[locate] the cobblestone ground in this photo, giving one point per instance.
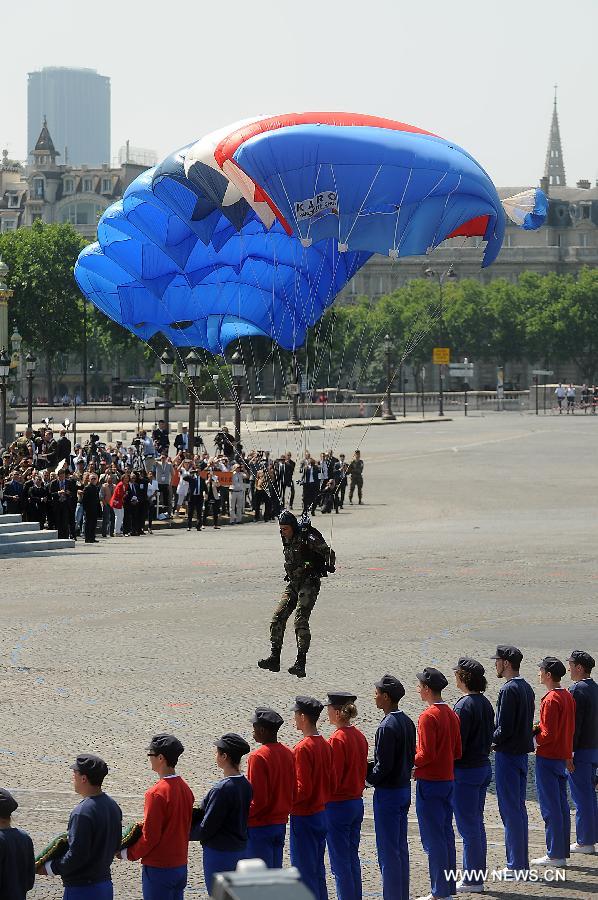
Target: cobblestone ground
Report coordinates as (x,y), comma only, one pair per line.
(476,531)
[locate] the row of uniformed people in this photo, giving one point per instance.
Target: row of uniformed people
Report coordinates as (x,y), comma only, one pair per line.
(319,785)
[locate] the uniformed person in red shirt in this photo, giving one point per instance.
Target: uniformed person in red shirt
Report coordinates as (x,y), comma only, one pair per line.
(271,773)
(344,810)
(438,746)
(314,784)
(554,751)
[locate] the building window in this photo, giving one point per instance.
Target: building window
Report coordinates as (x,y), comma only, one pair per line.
(38,188)
(9,224)
(585,210)
(87,185)
(81,213)
(106,185)
(68,185)
(13,201)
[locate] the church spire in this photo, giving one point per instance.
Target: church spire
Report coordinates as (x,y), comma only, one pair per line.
(554,170)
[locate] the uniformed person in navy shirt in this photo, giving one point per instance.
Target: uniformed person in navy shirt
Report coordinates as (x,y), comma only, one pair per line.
(582,775)
(94,834)
(473,772)
(390,774)
(513,741)
(17,859)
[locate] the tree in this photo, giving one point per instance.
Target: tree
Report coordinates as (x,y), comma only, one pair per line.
(46,305)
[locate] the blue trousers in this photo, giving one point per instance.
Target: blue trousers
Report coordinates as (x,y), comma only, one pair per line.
(390,820)
(469,799)
(102,890)
(551,785)
(582,783)
(434,808)
(510,775)
(267,842)
(307,843)
(215,861)
(343,832)
(163,884)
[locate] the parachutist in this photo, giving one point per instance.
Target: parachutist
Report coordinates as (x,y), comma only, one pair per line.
(307,559)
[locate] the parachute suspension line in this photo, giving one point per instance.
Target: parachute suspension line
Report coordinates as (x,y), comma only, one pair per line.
(338,386)
(394,240)
(364,201)
(446,201)
(431,191)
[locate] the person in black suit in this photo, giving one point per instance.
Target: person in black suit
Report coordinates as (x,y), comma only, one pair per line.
(37,501)
(133,507)
(91,507)
(63,447)
(311,486)
(47,456)
(182,441)
(194,499)
(63,496)
(161,438)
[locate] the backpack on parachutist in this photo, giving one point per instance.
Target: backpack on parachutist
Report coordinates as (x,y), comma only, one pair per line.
(323,557)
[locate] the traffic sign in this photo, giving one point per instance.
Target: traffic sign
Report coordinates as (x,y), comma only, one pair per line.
(460,372)
(542,372)
(441,356)
(467,367)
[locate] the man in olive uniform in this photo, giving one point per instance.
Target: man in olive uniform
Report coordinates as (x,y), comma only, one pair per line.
(306,557)
(356,476)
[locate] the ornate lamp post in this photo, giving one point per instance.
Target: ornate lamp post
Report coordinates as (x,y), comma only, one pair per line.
(440,277)
(4,373)
(166,370)
(293,390)
(388,413)
(193,365)
(30,365)
(238,373)
(215,377)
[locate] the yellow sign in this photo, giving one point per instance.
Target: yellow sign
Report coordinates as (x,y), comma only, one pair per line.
(441,356)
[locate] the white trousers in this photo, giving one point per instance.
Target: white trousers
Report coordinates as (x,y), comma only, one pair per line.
(237,499)
(119,515)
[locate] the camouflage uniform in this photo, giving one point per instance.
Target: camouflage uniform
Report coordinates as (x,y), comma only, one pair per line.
(301,566)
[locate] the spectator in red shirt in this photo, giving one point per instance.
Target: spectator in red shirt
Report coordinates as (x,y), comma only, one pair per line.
(344,810)
(438,746)
(271,773)
(313,787)
(164,844)
(554,753)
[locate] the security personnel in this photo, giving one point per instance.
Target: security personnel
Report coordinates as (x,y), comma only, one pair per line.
(271,774)
(438,746)
(554,752)
(225,810)
(17,859)
(305,556)
(390,775)
(313,788)
(582,775)
(94,835)
(344,810)
(355,471)
(163,847)
(473,772)
(194,499)
(513,741)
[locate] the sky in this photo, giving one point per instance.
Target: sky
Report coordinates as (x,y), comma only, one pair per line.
(479,74)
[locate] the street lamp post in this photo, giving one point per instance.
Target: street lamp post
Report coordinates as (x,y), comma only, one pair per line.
(294,392)
(4,373)
(215,378)
(16,341)
(193,365)
(30,365)
(238,373)
(388,415)
(440,277)
(166,370)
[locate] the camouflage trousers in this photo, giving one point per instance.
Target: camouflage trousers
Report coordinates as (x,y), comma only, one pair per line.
(298,597)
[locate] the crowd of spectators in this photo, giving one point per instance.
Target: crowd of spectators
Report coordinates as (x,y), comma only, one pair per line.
(116,490)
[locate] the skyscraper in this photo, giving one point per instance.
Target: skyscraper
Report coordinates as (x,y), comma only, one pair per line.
(76,104)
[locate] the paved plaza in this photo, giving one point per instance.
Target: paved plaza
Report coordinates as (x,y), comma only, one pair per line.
(475,531)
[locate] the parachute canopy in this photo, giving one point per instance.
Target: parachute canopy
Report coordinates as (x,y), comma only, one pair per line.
(254,229)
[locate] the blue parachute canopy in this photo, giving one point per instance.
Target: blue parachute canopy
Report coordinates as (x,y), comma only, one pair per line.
(255,229)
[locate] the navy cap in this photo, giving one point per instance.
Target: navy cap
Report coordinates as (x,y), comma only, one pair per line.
(308,705)
(233,743)
(509,654)
(469,665)
(166,744)
(581,658)
(339,698)
(390,685)
(91,765)
(268,717)
(552,665)
(8,804)
(432,678)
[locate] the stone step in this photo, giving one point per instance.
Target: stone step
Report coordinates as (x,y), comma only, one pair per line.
(28,546)
(10,517)
(17,537)
(17,526)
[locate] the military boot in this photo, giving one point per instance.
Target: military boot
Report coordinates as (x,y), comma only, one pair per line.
(298,668)
(272,662)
